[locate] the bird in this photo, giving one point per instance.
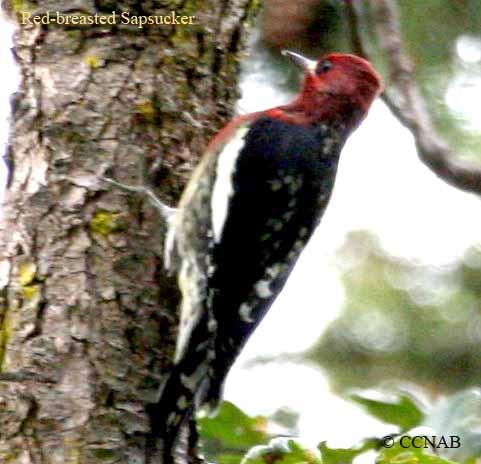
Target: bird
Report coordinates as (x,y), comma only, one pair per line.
(247,212)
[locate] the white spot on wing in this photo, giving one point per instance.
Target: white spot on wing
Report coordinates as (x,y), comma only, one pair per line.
(245,312)
(223,188)
(212,325)
(275,224)
(299,245)
(274,271)
(303,232)
(202,346)
(210,356)
(182,403)
(193,381)
(262,289)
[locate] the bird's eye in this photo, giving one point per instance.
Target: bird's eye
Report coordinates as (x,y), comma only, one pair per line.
(323,66)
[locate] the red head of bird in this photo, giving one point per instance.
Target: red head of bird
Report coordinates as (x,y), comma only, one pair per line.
(339,88)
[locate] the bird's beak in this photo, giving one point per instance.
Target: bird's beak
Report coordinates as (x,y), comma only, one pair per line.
(309,66)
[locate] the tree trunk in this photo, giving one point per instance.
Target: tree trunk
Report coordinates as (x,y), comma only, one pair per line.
(87,312)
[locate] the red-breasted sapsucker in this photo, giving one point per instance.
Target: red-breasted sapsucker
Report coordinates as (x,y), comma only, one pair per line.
(246,214)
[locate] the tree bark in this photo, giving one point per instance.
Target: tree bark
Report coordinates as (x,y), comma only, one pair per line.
(87,312)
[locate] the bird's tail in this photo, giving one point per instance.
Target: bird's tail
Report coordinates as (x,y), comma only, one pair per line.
(183,390)
(168,416)
(179,398)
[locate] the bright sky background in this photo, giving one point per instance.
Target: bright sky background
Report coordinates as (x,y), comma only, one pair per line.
(381,186)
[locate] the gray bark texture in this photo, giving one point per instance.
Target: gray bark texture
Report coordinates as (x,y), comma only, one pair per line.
(87,312)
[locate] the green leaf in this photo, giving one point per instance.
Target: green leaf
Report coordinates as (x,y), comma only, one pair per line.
(233,428)
(404,412)
(282,451)
(400,455)
(344,455)
(229,459)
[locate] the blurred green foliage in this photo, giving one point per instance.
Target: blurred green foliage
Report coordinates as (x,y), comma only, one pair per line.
(403,412)
(231,433)
(437,34)
(460,415)
(345,455)
(400,455)
(282,451)
(233,438)
(404,321)
(443,40)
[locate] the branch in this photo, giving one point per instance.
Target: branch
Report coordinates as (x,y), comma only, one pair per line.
(403,97)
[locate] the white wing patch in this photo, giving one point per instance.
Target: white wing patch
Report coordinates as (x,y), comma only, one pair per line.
(262,288)
(245,313)
(223,188)
(191,304)
(169,245)
(192,281)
